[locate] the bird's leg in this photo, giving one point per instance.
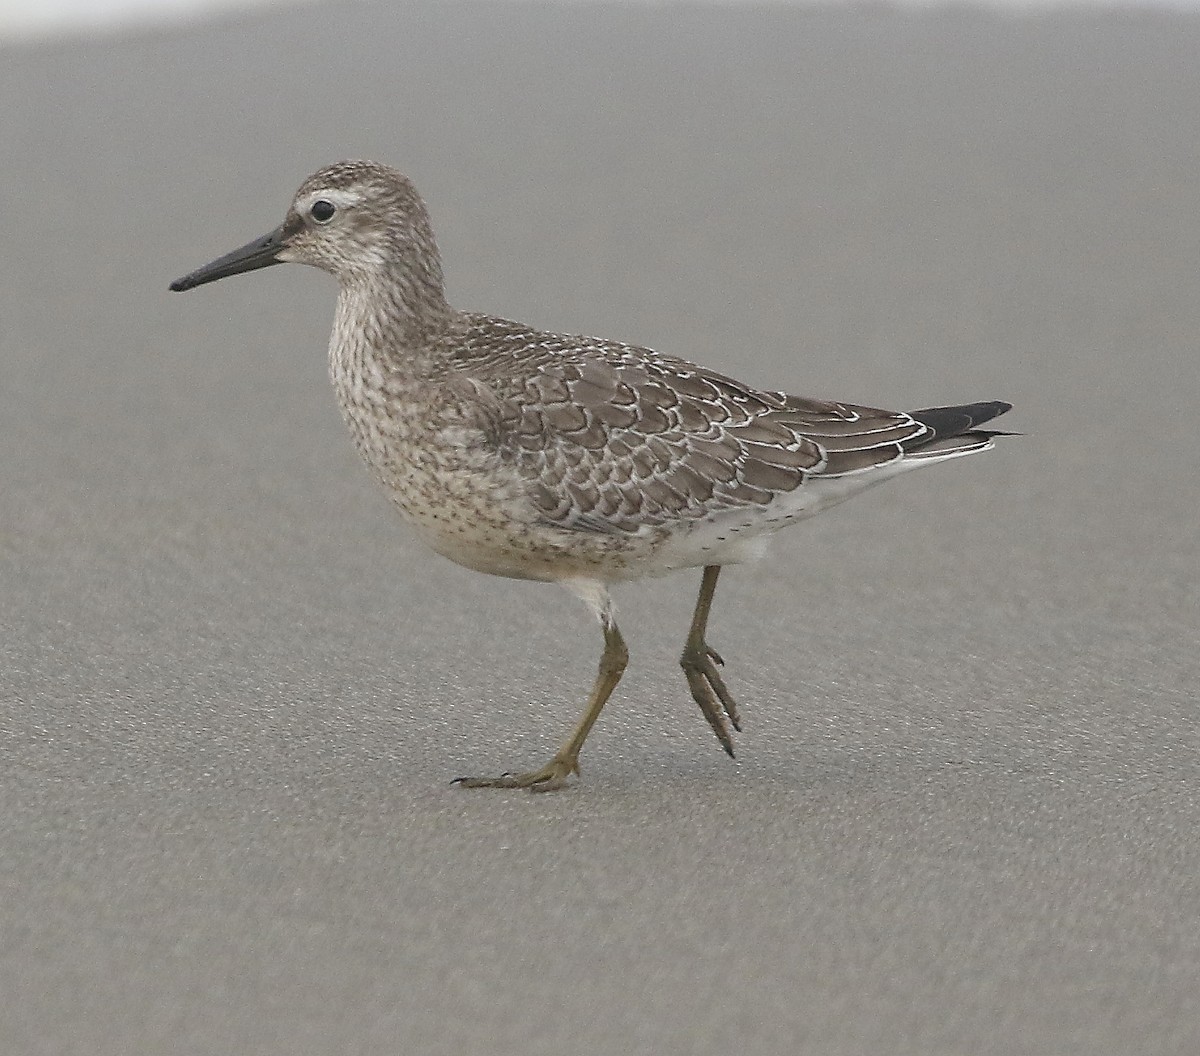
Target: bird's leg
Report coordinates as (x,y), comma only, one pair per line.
(566,760)
(699,662)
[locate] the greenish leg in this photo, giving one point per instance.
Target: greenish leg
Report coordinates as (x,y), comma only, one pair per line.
(699,662)
(566,760)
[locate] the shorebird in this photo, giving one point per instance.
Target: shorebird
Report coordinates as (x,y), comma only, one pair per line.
(568,459)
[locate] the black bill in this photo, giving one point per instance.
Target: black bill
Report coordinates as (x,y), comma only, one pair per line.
(261,253)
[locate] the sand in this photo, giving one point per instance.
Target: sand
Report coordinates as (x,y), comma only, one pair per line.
(233,689)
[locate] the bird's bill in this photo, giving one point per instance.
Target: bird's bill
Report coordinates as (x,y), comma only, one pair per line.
(261,253)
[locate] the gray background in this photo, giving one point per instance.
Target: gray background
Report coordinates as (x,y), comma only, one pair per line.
(233,691)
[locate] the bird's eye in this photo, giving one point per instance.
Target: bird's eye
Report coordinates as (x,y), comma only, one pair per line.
(322,211)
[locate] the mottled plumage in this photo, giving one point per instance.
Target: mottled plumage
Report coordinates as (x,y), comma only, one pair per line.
(562,458)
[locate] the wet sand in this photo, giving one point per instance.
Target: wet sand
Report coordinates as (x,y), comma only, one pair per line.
(233,690)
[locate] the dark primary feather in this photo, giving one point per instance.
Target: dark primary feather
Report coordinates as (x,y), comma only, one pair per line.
(945,422)
(953,429)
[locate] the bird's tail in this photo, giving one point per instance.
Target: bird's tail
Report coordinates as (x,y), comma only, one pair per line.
(952,430)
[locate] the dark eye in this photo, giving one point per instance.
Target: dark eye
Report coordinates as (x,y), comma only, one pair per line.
(322,211)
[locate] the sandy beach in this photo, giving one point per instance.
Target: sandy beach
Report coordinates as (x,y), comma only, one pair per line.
(234,689)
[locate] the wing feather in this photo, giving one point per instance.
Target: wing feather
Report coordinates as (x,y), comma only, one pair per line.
(616,438)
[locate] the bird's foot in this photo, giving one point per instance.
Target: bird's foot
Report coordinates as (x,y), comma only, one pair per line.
(548,778)
(699,663)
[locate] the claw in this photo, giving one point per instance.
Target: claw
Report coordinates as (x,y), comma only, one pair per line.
(548,778)
(709,691)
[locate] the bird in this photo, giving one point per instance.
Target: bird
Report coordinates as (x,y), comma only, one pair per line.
(568,459)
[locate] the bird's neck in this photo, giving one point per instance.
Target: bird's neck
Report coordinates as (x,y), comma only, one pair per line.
(385,351)
(388,325)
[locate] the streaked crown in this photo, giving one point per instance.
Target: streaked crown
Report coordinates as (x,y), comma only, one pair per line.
(359,220)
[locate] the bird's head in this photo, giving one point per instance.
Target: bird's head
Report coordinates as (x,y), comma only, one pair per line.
(355,220)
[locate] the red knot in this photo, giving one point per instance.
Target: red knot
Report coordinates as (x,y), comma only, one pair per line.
(568,459)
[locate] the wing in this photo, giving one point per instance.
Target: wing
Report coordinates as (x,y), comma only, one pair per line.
(616,438)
